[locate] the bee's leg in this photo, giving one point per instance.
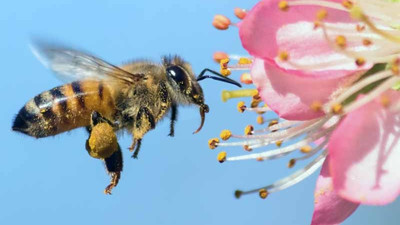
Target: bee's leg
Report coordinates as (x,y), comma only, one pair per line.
(143,123)
(114,165)
(174,114)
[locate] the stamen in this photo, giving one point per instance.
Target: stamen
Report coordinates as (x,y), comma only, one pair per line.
(337,108)
(221,157)
(238,94)
(244,61)
(248,130)
(291,163)
(260,120)
(347,4)
(360,61)
(263,193)
(221,22)
(322,14)
(245,78)
(218,56)
(385,101)
(283,5)
(213,143)
(283,56)
(316,106)
(240,13)
(225,134)
(340,41)
(306,149)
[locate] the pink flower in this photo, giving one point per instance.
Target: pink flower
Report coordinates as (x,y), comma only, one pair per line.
(328,68)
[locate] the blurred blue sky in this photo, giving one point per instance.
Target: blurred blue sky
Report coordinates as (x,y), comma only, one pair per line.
(176,180)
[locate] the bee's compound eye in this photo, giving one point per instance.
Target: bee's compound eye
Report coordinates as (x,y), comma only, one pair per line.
(176,73)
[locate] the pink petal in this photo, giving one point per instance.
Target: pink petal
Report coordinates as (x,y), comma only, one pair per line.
(266,31)
(365,153)
(291,96)
(329,207)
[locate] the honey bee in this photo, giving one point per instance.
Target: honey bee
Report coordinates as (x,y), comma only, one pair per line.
(105,99)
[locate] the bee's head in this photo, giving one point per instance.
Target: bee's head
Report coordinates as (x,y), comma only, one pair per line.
(181,78)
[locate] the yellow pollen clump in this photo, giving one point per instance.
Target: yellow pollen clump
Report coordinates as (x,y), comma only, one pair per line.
(360,61)
(347,4)
(340,41)
(337,108)
(213,143)
(245,61)
(221,157)
(241,106)
(224,63)
(245,78)
(316,106)
(247,148)
(218,56)
(248,130)
(367,42)
(291,163)
(279,143)
(225,134)
(283,5)
(260,119)
(306,149)
(102,142)
(322,14)
(238,193)
(221,22)
(240,13)
(225,72)
(283,55)
(263,193)
(385,101)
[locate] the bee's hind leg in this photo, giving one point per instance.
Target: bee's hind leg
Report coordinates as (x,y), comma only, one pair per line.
(102,144)
(143,123)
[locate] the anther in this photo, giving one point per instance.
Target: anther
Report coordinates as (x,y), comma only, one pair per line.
(337,108)
(221,22)
(279,143)
(225,72)
(283,55)
(360,61)
(321,14)
(238,193)
(260,119)
(306,149)
(283,5)
(263,193)
(218,56)
(260,159)
(225,134)
(248,130)
(244,61)
(255,101)
(340,41)
(245,78)
(241,107)
(316,106)
(224,63)
(360,28)
(291,163)
(240,13)
(395,69)
(247,148)
(385,101)
(366,42)
(272,123)
(221,157)
(347,4)
(213,143)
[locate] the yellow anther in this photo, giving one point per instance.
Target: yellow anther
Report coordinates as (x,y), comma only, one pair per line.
(322,14)
(385,101)
(245,78)
(225,134)
(283,55)
(260,119)
(367,42)
(221,22)
(260,159)
(360,28)
(263,193)
(213,143)
(395,69)
(283,5)
(241,106)
(360,61)
(247,148)
(316,106)
(291,163)
(218,56)
(317,24)
(221,157)
(248,130)
(244,61)
(225,72)
(238,193)
(238,94)
(306,149)
(340,41)
(279,143)
(337,108)
(272,123)
(240,13)
(347,4)
(224,63)
(255,100)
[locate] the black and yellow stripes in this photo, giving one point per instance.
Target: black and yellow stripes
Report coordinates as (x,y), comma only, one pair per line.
(64,108)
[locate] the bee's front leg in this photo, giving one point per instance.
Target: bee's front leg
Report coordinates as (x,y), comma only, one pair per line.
(143,123)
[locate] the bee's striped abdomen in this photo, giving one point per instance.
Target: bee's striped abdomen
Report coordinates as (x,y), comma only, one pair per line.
(64,108)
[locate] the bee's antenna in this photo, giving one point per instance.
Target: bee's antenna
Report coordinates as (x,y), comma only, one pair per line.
(220,77)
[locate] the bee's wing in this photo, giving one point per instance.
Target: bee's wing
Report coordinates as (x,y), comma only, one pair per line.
(72,65)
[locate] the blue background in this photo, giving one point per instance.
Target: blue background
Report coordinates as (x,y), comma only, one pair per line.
(176,180)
